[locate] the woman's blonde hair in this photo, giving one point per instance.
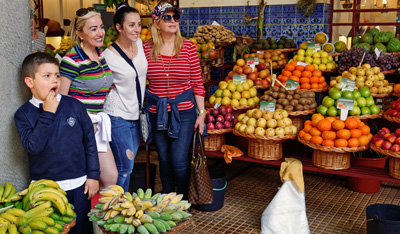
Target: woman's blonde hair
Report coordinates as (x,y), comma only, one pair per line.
(79,23)
(158,41)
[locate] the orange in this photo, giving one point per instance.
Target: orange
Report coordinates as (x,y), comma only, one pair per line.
(324,84)
(286,73)
(341,143)
(315,132)
(320,86)
(353,142)
(307,137)
(396,88)
(289,67)
(296,78)
(306,73)
(328,143)
(351,123)
(305,86)
(310,68)
(314,86)
(355,133)
(294,63)
(304,80)
(307,128)
(296,73)
(364,140)
(308,122)
(343,134)
(338,124)
(329,135)
(317,73)
(321,79)
(300,68)
(302,133)
(330,118)
(314,80)
(324,125)
(365,129)
(315,118)
(240,62)
(316,140)
(284,79)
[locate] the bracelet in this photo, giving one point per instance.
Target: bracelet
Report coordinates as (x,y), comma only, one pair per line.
(203,112)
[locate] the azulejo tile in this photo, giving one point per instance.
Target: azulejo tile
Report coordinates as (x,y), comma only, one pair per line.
(302,20)
(253,9)
(302,30)
(204,10)
(184,29)
(316,20)
(238,9)
(182,22)
(288,31)
(183,11)
(226,9)
(237,30)
(289,8)
(193,16)
(317,14)
(226,22)
(215,10)
(288,15)
(326,29)
(275,21)
(193,22)
(275,15)
(327,19)
(237,21)
(319,7)
(275,8)
(194,10)
(191,30)
(204,22)
(288,21)
(204,16)
(215,17)
(266,19)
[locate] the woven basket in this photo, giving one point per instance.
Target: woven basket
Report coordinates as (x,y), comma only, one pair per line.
(179,226)
(394,160)
(215,139)
(219,59)
(262,86)
(205,65)
(297,121)
(365,117)
(68,226)
(262,147)
(300,113)
(391,119)
(381,95)
(389,71)
(329,71)
(207,104)
(314,90)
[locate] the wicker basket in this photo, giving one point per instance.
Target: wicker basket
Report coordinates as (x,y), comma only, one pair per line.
(68,226)
(391,119)
(365,117)
(297,117)
(215,139)
(220,58)
(264,148)
(389,71)
(376,95)
(331,158)
(394,161)
(205,65)
(314,90)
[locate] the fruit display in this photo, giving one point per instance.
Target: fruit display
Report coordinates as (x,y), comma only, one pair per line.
(42,208)
(142,212)
(290,100)
(368,76)
(206,50)
(220,118)
(364,103)
(320,38)
(396,90)
(274,57)
(272,44)
(65,45)
(352,58)
(109,38)
(329,131)
(320,59)
(387,140)
(235,95)
(329,48)
(266,123)
(145,34)
(383,41)
(308,76)
(394,110)
(340,46)
(216,34)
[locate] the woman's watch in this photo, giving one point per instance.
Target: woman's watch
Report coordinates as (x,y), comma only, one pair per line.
(203,112)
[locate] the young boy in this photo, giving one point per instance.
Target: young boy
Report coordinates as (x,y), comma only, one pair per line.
(59,137)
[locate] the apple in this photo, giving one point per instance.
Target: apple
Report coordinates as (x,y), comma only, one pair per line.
(370,101)
(252,122)
(257,114)
(393,113)
(328,102)
(244,119)
(237,126)
(356,111)
(375,109)
(270,132)
(219,118)
(381,133)
(222,110)
(210,119)
(395,148)
(279,131)
(386,130)
(347,94)
(229,109)
(386,145)
(249,129)
(374,139)
(365,92)
(261,66)
(336,94)
(219,125)
(397,141)
(210,126)
(281,123)
(271,123)
(278,115)
(261,122)
(289,130)
(386,136)
(242,128)
(228,117)
(397,132)
(379,142)
(227,124)
(260,131)
(235,121)
(332,111)
(392,138)
(215,112)
(356,94)
(365,111)
(322,110)
(268,115)
(288,121)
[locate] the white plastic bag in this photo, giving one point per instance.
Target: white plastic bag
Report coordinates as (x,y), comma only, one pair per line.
(286,214)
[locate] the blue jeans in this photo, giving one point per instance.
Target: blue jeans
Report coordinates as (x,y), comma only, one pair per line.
(82,208)
(125,135)
(173,152)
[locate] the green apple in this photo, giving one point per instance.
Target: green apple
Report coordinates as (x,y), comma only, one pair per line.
(336,94)
(322,110)
(331,90)
(309,52)
(328,102)
(239,88)
(356,94)
(218,93)
(361,102)
(356,111)
(332,111)
(347,94)
(365,111)
(301,52)
(370,101)
(365,92)
(375,109)
(308,60)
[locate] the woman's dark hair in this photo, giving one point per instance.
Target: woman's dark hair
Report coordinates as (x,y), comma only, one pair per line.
(122,9)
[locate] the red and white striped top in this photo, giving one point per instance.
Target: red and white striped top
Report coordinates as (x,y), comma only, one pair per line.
(184,74)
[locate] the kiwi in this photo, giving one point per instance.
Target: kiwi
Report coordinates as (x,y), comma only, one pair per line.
(299,107)
(271,99)
(296,96)
(289,92)
(275,89)
(268,92)
(313,105)
(281,95)
(282,90)
(274,94)
(297,91)
(306,107)
(303,101)
(285,102)
(264,98)
(311,94)
(278,106)
(309,101)
(294,102)
(303,95)
(289,97)
(289,108)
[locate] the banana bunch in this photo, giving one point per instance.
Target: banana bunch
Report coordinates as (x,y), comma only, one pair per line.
(65,44)
(123,212)
(8,193)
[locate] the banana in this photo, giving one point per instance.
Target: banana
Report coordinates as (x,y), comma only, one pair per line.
(50,190)
(15,211)
(52,230)
(106,205)
(131,229)
(155,209)
(23,192)
(129,219)
(99,205)
(101,222)
(160,198)
(110,193)
(108,214)
(1,191)
(136,222)
(66,219)
(38,225)
(123,228)
(127,205)
(164,203)
(56,217)
(165,216)
(57,201)
(146,219)
(46,182)
(155,196)
(137,203)
(94,218)
(184,214)
(159,225)
(166,225)
(176,199)
(131,211)
(3,229)
(7,190)
(21,221)
(26,200)
(146,205)
(171,223)
(124,212)
(10,194)
(153,215)
(114,213)
(139,214)
(100,214)
(140,193)
(115,188)
(105,199)
(11,218)
(14,198)
(151,228)
(114,201)
(119,219)
(128,196)
(176,217)
(142,230)
(12,229)
(70,212)
(25,230)
(148,193)
(118,207)
(170,195)
(184,205)
(47,220)
(115,227)
(59,227)
(36,211)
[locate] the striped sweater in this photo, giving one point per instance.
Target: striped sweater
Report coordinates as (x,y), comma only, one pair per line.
(90,80)
(184,73)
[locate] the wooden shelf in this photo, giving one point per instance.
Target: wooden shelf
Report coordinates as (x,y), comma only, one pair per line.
(353,171)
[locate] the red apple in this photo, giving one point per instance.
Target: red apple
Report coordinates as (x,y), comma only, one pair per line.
(397,141)
(228,117)
(393,104)
(381,133)
(210,119)
(220,118)
(258,82)
(222,110)
(215,112)
(261,66)
(386,130)
(227,124)
(374,139)
(393,113)
(220,125)
(227,78)
(234,122)
(265,82)
(208,110)
(397,132)
(391,138)
(386,145)
(386,136)
(229,109)
(252,76)
(210,126)
(379,142)
(395,148)
(397,106)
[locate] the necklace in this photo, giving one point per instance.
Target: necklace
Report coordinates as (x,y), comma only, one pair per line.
(167,72)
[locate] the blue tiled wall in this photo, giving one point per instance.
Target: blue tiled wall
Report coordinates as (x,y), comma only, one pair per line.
(278,20)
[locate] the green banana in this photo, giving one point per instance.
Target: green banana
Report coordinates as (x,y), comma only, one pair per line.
(153,214)
(66,219)
(184,214)
(1,191)
(101,222)
(151,228)
(115,227)
(70,212)
(94,218)
(38,225)
(128,196)
(140,193)
(165,216)
(37,232)
(131,229)
(21,221)
(25,230)
(55,216)
(159,225)
(123,228)
(155,196)
(108,226)
(166,225)
(99,205)
(11,194)
(176,217)
(47,220)
(171,223)
(7,190)
(142,229)
(37,210)
(18,205)
(11,218)
(52,230)
(145,219)
(119,219)
(15,211)
(148,193)
(57,201)
(59,227)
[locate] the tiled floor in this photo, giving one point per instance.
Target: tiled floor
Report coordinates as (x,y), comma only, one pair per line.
(331,207)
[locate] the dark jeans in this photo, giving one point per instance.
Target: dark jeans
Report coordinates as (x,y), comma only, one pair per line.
(82,208)
(173,152)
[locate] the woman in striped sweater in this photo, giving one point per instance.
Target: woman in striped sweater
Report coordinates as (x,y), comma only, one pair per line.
(86,76)
(175,89)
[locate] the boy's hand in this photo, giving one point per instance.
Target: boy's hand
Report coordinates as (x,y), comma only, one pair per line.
(50,104)
(91,186)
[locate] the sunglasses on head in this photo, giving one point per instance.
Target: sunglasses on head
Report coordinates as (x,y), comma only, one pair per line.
(168,18)
(84,11)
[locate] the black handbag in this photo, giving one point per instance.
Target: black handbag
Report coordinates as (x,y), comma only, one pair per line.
(200,187)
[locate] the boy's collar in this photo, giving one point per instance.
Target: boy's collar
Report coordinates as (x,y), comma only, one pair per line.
(36,102)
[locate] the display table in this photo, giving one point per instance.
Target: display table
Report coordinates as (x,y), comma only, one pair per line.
(354,171)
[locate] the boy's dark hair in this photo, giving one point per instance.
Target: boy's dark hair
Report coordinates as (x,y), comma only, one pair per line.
(33,61)
(122,9)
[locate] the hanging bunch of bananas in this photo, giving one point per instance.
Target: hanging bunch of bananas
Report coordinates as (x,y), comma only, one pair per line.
(65,45)
(44,208)
(123,212)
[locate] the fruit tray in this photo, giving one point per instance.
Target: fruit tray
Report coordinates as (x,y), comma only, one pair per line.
(297,113)
(314,90)
(390,71)
(391,119)
(254,136)
(68,226)
(381,95)
(219,131)
(335,54)
(282,50)
(179,226)
(374,116)
(332,148)
(385,152)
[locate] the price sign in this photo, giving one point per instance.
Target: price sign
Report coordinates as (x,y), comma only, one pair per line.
(260,52)
(378,53)
(291,84)
(345,104)
(347,84)
(238,79)
(314,46)
(252,62)
(267,106)
(302,64)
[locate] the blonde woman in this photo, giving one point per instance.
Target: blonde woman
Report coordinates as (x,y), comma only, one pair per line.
(175,90)
(86,76)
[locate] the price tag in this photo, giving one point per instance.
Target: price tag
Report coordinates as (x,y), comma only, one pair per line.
(215,23)
(302,64)
(260,52)
(238,79)
(217,105)
(267,106)
(345,104)
(314,46)
(252,62)
(378,53)
(347,84)
(291,84)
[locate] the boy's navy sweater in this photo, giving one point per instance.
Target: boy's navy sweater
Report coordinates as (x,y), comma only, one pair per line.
(60,146)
